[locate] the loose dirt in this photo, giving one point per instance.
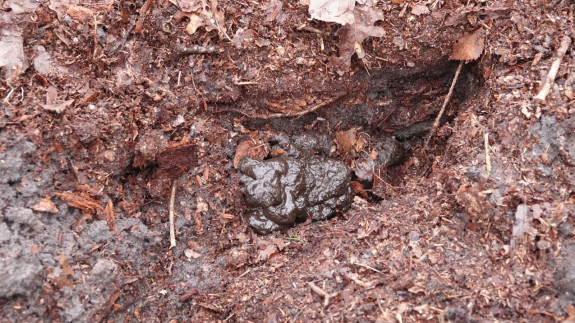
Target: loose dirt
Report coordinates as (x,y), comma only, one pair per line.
(106,104)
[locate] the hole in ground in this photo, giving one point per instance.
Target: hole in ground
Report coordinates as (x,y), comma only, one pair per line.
(373,129)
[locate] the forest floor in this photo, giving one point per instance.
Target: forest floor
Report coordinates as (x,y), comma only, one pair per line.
(107,104)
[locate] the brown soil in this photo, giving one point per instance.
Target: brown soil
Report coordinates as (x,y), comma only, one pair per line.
(111,102)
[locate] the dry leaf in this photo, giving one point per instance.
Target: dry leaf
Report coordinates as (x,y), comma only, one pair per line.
(340,11)
(195,23)
(458,16)
(250,149)
(12,56)
(199,16)
(81,201)
(351,36)
(58,107)
(346,141)
(187,5)
(79,13)
(45,205)
(469,47)
(570,310)
(522,223)
(265,254)
(66,269)
(420,9)
(472,200)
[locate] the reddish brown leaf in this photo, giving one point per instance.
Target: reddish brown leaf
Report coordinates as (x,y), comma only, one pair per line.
(45,205)
(251,149)
(469,47)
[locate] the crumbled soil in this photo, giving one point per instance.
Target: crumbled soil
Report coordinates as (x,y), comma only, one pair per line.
(112,104)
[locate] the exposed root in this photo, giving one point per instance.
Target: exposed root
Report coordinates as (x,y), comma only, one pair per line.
(438,118)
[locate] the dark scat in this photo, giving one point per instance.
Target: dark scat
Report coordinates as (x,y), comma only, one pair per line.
(281,190)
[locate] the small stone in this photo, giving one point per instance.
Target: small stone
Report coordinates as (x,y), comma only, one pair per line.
(566,229)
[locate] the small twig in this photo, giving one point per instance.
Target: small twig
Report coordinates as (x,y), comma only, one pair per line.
(321,293)
(366,266)
(310,29)
(438,118)
(550,78)
(487,156)
(283,115)
(171,215)
(196,49)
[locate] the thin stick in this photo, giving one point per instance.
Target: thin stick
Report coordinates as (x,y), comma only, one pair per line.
(171,214)
(320,292)
(284,115)
(550,78)
(438,118)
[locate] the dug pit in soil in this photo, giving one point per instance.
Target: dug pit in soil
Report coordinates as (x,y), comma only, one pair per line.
(370,130)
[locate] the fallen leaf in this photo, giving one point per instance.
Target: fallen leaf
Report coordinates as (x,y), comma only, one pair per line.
(458,16)
(45,205)
(66,269)
(58,107)
(522,223)
(251,149)
(199,15)
(12,56)
(195,22)
(265,254)
(472,200)
(80,14)
(420,9)
(339,11)
(469,47)
(346,141)
(81,201)
(187,5)
(191,254)
(351,36)
(570,310)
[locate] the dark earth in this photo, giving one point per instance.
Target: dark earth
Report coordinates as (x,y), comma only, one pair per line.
(107,105)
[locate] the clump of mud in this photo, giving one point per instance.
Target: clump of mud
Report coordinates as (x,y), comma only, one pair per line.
(281,190)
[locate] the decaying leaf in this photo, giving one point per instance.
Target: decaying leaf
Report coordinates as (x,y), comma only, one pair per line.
(472,200)
(80,14)
(199,15)
(340,11)
(469,47)
(251,149)
(12,56)
(45,205)
(346,141)
(266,253)
(81,201)
(52,103)
(196,22)
(187,5)
(420,9)
(351,36)
(522,223)
(458,16)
